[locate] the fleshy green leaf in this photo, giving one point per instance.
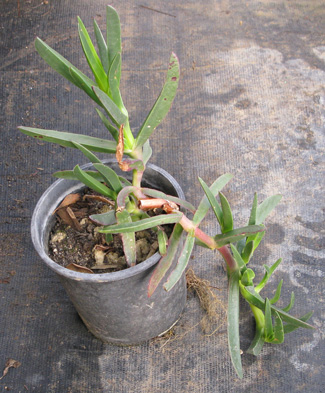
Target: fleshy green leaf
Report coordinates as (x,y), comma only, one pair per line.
(91,157)
(265,208)
(236,234)
(141,225)
(166,261)
(288,328)
(252,218)
(255,299)
(176,274)
(278,329)
(213,202)
(113,131)
(66,139)
(233,322)
(204,204)
(62,66)
(102,47)
(92,183)
(241,264)
(162,104)
(113,30)
(162,242)
(267,275)
(248,251)
(247,277)
(147,152)
(71,176)
(227,224)
(114,83)
(128,239)
(110,177)
(79,80)
(277,293)
(92,57)
(111,108)
(160,194)
(257,343)
(107,218)
(268,328)
(290,305)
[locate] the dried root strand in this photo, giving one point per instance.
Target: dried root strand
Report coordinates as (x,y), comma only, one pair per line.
(213,307)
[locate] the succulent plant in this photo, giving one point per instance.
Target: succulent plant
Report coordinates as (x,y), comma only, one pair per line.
(132,201)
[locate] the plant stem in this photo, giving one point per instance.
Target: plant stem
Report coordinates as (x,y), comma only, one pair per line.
(229,259)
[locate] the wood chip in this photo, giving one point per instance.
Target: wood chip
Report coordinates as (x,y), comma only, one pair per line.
(99,198)
(80,269)
(68,200)
(10,363)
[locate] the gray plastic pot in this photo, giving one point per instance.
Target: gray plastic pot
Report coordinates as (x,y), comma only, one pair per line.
(113,306)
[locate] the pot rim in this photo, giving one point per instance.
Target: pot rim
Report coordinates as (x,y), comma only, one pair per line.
(38,243)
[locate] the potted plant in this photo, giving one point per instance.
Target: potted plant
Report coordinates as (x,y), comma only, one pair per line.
(129,306)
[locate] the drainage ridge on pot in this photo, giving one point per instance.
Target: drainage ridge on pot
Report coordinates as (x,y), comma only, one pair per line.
(114,306)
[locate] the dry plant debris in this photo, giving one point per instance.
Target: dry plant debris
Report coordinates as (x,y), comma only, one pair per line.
(215,312)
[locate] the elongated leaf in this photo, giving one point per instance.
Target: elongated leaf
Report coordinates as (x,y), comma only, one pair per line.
(147,152)
(66,139)
(228,223)
(71,176)
(92,183)
(241,264)
(160,194)
(113,30)
(102,47)
(236,234)
(113,131)
(254,298)
(128,239)
(166,261)
(268,328)
(291,304)
(288,328)
(92,57)
(252,218)
(91,157)
(82,83)
(110,177)
(176,274)
(248,251)
(257,343)
(114,83)
(143,224)
(278,329)
(256,239)
(204,205)
(267,275)
(111,108)
(61,65)
(162,242)
(265,208)
(277,294)
(213,202)
(162,104)
(107,218)
(233,322)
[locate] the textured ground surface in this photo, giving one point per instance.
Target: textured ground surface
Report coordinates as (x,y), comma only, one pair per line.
(251,102)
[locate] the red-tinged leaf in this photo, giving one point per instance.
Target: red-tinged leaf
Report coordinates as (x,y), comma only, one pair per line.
(166,261)
(176,274)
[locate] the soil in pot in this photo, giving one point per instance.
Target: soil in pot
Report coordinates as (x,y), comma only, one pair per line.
(76,244)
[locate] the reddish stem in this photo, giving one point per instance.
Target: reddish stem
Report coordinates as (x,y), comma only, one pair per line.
(229,259)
